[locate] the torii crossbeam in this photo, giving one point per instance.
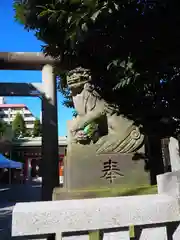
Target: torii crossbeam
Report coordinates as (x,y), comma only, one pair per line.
(21,89)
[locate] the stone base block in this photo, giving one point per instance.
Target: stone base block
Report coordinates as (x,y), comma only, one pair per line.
(64,194)
(84,169)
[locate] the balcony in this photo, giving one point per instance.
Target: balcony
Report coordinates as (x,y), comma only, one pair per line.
(27,119)
(29,126)
(4,112)
(6,119)
(27,112)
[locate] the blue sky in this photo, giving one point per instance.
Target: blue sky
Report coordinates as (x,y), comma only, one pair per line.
(15,39)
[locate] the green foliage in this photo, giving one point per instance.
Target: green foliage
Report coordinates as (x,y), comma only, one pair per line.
(3,127)
(37,128)
(19,12)
(129,46)
(18,126)
(28,133)
(63,88)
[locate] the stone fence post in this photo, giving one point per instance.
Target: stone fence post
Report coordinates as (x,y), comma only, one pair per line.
(169,183)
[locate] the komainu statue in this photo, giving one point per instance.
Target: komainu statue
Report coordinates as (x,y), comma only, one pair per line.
(97,122)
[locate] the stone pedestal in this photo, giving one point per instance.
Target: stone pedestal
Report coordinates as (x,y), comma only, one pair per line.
(85,172)
(84,169)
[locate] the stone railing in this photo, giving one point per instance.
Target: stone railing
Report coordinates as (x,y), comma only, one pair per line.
(153,216)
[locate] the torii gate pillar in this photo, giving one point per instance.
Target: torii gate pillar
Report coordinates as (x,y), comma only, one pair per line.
(49,133)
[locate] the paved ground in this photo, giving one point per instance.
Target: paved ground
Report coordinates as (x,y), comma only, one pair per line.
(8,197)
(5,221)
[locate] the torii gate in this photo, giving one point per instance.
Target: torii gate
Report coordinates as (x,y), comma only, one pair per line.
(48,92)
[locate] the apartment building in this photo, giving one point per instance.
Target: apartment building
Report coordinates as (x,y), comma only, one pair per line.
(9,111)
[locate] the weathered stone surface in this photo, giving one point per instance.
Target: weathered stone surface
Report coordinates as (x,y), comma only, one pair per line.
(82,237)
(151,215)
(123,235)
(41,218)
(169,183)
(176,234)
(66,194)
(98,121)
(84,169)
(154,233)
(24,60)
(174,154)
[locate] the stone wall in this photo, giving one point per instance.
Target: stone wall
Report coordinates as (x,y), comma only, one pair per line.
(153,217)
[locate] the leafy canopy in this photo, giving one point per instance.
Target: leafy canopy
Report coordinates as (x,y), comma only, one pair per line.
(18,126)
(3,127)
(37,128)
(132,48)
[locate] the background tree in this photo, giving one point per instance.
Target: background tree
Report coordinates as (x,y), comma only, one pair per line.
(37,128)
(3,127)
(28,133)
(131,47)
(18,126)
